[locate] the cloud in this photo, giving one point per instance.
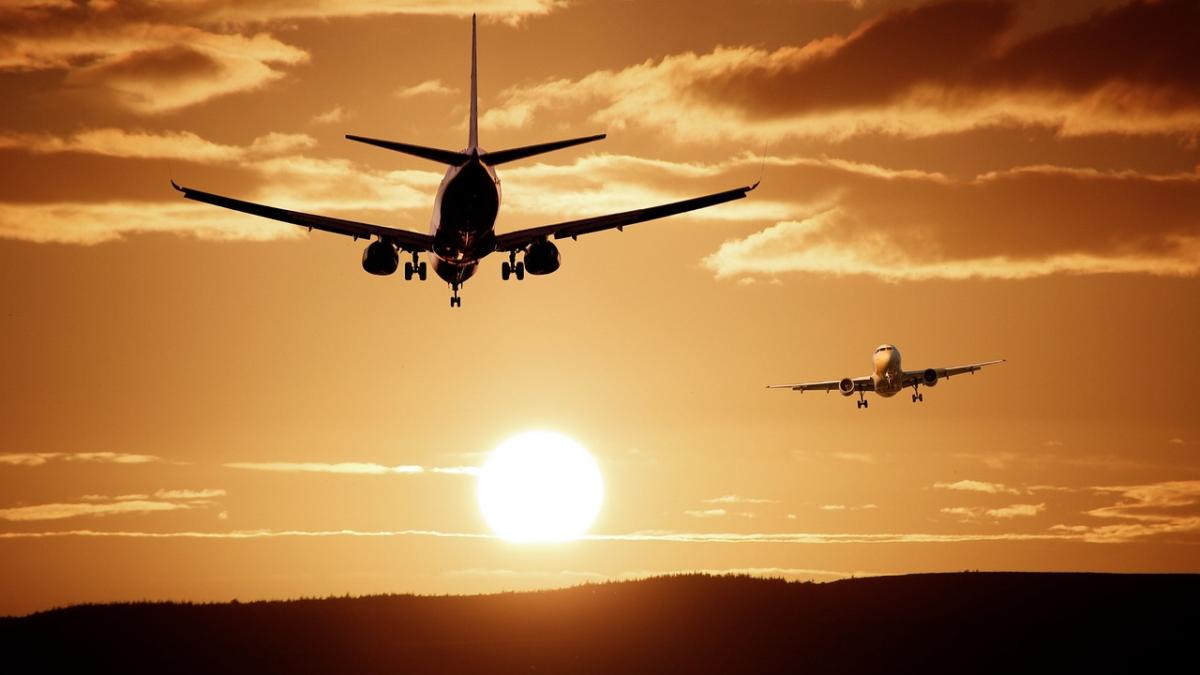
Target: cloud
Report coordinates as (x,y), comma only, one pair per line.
(321,467)
(189,495)
(101,505)
(1020,223)
(978,486)
(1167,509)
(861,457)
(736,499)
(95,223)
(424,88)
(1176,441)
(42,458)
(62,511)
(939,68)
(332,116)
(182,145)
(159,57)
(970,513)
(368,468)
(847,507)
(706,513)
(1017,511)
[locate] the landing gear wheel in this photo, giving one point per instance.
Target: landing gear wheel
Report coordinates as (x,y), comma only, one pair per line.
(455,301)
(520,271)
(505,270)
(408,271)
(422,271)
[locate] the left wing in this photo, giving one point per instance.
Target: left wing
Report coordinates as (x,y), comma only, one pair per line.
(860,384)
(512,241)
(911,376)
(405,239)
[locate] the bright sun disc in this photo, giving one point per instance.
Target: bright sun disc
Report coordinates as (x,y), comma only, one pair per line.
(540,486)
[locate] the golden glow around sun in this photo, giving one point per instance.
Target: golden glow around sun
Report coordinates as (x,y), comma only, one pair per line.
(540,486)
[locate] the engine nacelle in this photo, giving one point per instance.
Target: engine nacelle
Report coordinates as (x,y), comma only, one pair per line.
(380,258)
(542,257)
(929,377)
(846,386)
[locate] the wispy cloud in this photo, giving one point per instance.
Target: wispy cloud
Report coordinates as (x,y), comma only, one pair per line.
(973,513)
(190,495)
(42,458)
(428,87)
(350,468)
(99,505)
(182,145)
(73,510)
(978,486)
(159,57)
(737,499)
(331,116)
(706,513)
(847,507)
(861,457)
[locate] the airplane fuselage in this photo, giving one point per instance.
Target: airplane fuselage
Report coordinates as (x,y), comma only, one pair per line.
(464,219)
(886,372)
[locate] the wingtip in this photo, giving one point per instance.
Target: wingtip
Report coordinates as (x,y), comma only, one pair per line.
(176,185)
(754,186)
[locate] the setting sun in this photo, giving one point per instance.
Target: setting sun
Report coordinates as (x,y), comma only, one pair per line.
(540,486)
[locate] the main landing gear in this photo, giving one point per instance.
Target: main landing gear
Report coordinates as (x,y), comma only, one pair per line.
(415,267)
(862,401)
(455,301)
(512,267)
(917,395)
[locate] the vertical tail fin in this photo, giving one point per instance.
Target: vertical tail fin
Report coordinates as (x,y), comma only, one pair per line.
(473,139)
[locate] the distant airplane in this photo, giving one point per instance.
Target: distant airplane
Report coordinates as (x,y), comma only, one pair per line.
(888,379)
(464,213)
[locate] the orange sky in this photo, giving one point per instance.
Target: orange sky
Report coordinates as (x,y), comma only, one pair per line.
(968,180)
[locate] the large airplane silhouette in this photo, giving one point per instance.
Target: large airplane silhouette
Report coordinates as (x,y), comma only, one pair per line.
(461,232)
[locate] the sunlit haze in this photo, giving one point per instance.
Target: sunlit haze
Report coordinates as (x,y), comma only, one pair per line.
(202,405)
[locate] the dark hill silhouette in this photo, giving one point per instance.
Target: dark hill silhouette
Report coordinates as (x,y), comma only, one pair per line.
(933,623)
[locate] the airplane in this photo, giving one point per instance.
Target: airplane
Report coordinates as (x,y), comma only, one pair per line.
(887,378)
(461,231)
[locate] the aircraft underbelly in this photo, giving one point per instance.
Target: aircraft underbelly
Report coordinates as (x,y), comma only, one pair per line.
(467,217)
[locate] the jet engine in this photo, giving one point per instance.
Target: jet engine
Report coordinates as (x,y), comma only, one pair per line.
(846,386)
(542,257)
(380,258)
(929,377)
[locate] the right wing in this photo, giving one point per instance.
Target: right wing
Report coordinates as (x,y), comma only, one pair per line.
(511,241)
(404,239)
(860,384)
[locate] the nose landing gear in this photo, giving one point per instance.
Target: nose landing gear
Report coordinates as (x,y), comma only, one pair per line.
(455,301)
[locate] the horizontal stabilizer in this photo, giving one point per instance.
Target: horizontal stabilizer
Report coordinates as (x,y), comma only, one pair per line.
(450,157)
(502,156)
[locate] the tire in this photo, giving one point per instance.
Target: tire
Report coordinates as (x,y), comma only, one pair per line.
(520,271)
(408,271)
(505,270)
(421,270)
